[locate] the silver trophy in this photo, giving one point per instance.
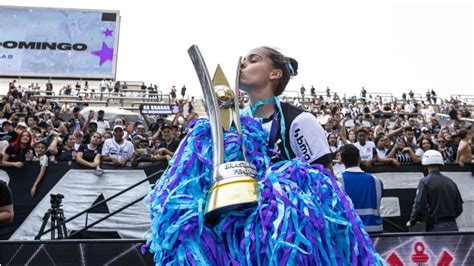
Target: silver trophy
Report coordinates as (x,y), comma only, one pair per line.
(235,186)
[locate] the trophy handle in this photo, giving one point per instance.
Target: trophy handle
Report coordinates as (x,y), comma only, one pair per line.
(213,110)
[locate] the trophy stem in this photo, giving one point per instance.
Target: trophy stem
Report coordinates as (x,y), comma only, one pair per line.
(212,110)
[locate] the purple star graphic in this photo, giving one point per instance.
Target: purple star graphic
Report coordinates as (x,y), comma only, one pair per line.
(105,53)
(108,32)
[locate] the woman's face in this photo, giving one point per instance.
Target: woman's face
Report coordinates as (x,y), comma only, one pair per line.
(401,143)
(425,145)
(25,138)
(70,141)
(441,143)
(256,69)
(352,136)
(381,143)
(332,140)
(95,139)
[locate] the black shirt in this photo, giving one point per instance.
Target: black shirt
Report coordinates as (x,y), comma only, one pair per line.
(172,147)
(438,197)
(453,114)
(65,155)
(88,154)
(16,156)
(5,194)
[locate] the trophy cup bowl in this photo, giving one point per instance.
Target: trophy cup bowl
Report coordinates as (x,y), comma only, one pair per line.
(235,187)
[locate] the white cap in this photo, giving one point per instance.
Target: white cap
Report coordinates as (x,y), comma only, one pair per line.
(432,157)
(118,126)
(22,124)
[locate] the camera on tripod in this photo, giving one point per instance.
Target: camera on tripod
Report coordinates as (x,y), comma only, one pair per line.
(56,200)
(58,222)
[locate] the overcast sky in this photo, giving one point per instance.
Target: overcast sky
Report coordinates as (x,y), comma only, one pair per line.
(386,46)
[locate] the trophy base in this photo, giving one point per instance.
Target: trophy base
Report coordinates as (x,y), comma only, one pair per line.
(231,194)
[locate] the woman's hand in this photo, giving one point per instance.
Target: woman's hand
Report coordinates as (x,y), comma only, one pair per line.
(18,164)
(33,190)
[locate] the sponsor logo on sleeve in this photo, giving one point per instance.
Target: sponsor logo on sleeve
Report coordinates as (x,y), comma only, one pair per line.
(303,145)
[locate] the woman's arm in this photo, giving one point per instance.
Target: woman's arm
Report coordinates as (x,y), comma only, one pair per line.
(80,160)
(53,147)
(414,158)
(6,163)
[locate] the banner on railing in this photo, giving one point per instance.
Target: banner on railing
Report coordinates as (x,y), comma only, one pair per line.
(155,109)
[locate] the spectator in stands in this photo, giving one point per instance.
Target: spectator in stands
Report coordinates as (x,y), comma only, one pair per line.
(19,151)
(382,143)
(32,121)
(168,146)
(453,114)
(332,141)
(89,155)
(8,133)
(102,124)
(117,88)
(107,135)
(410,137)
(183,91)
(6,204)
(66,151)
(173,93)
(438,200)
(367,150)
(464,153)
(76,123)
(313,91)
(124,88)
(447,152)
(118,150)
(41,148)
(425,145)
(78,88)
(364,189)
(403,154)
(302,91)
(143,88)
(434,124)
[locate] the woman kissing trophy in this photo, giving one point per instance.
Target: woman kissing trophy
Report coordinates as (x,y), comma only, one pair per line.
(224,199)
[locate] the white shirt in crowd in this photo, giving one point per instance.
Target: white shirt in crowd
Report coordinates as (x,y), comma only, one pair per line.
(102,126)
(120,152)
(367,151)
(382,154)
(103,84)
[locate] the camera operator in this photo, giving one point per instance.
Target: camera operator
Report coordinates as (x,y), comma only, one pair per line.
(6,203)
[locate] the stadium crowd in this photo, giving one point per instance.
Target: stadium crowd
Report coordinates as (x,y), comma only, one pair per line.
(395,132)
(387,130)
(36,128)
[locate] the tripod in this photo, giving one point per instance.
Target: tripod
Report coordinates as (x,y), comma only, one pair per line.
(57,223)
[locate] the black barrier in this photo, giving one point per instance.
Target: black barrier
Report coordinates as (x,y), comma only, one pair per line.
(22,179)
(426,249)
(73,252)
(397,249)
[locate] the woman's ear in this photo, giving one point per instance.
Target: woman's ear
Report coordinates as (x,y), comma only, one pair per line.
(276,74)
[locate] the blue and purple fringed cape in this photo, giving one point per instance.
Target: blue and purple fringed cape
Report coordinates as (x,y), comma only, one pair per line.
(302,218)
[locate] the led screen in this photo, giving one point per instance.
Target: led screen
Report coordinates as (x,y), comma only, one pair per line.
(58,42)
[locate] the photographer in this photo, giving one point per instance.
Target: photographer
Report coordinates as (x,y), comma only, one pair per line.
(6,204)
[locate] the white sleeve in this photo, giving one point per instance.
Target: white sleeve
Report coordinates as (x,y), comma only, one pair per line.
(106,148)
(131,150)
(308,138)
